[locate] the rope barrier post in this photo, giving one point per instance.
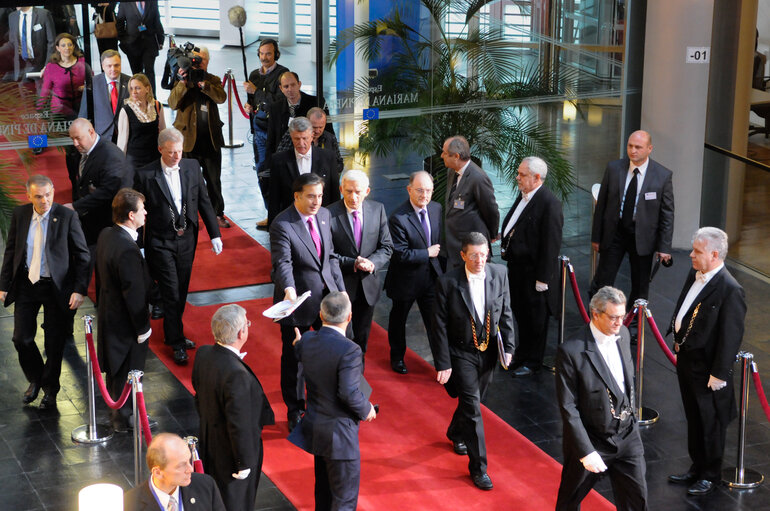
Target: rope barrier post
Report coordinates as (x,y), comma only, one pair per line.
(230,86)
(135,377)
(739,477)
(192,444)
(550,362)
(645,416)
(91,433)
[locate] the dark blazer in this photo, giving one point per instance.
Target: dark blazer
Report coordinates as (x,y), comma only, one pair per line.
(654,215)
(201,495)
(124,292)
(104,120)
(160,222)
(104,173)
(411,271)
(278,118)
(42,39)
(296,263)
(454,307)
(335,404)
(376,246)
(284,171)
(582,380)
(133,41)
(66,254)
(479,214)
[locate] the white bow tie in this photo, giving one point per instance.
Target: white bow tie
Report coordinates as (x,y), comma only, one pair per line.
(480,277)
(305,156)
(169,170)
(700,277)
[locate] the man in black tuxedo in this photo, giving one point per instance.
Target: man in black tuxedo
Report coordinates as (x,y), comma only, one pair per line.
(46,263)
(123,319)
(172,478)
(415,228)
(642,226)
(109,90)
(708,331)
(329,430)
(530,245)
(303,258)
(470,199)
(34,26)
(362,242)
(288,165)
(140,36)
(595,390)
(175,194)
(472,308)
(233,409)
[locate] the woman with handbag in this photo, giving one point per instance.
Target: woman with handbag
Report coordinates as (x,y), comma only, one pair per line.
(139,122)
(105,30)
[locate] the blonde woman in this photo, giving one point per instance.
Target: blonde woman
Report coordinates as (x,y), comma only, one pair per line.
(141,119)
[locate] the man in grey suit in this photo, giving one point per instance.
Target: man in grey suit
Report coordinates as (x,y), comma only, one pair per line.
(109,90)
(336,404)
(33,26)
(641,226)
(362,242)
(470,200)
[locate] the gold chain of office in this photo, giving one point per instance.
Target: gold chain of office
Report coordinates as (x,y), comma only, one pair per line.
(485,343)
(689,327)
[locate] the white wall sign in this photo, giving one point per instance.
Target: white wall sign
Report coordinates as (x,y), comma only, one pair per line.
(698,54)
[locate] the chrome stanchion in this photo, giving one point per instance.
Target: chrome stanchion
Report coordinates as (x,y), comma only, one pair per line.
(740,477)
(91,433)
(230,92)
(192,444)
(135,377)
(549,362)
(645,416)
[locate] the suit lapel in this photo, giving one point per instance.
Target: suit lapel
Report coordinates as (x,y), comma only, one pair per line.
(302,233)
(324,231)
(24,221)
(344,222)
(53,230)
(622,174)
(434,218)
(628,369)
(600,366)
(163,185)
(488,284)
(415,221)
(465,292)
(369,230)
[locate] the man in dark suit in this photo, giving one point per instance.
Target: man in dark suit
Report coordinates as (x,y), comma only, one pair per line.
(595,390)
(33,26)
(300,159)
(641,226)
(233,409)
(45,264)
(530,245)
(321,138)
(708,331)
(303,258)
(109,90)
(362,242)
(472,308)
(175,195)
(329,430)
(172,479)
(415,228)
(470,199)
(140,36)
(123,319)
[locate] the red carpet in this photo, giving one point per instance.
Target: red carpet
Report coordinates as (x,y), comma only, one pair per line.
(407,463)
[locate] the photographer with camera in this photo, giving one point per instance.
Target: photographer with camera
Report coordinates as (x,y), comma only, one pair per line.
(195,98)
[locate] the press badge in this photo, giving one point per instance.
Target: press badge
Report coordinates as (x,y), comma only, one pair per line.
(650,196)
(204,108)
(142,28)
(459,204)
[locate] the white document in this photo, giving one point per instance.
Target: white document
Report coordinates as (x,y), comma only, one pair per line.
(284,309)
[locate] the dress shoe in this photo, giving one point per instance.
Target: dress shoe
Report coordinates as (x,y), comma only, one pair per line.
(31,393)
(522,372)
(399,366)
(262,225)
(157,312)
(48,402)
(460,448)
(188,344)
(482,481)
(180,356)
(702,487)
(223,222)
(686,478)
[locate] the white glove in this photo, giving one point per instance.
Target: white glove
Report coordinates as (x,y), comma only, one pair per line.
(141,338)
(243,474)
(593,463)
(142,251)
(540,286)
(216,245)
(715,383)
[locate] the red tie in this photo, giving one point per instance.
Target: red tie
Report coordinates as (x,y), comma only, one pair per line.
(114,97)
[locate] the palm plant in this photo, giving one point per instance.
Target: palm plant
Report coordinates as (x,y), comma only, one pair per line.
(475,84)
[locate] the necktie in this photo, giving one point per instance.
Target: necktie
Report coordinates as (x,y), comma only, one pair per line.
(629,201)
(357,229)
(171,504)
(82,164)
(37,252)
(425,228)
(24,53)
(315,236)
(114,96)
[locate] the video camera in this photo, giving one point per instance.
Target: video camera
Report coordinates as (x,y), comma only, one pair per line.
(184,58)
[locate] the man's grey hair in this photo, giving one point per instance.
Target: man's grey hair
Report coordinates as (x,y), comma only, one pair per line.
(335,308)
(536,166)
(300,124)
(419,173)
(170,135)
(605,295)
(203,50)
(459,145)
(38,180)
(716,240)
(357,176)
(226,322)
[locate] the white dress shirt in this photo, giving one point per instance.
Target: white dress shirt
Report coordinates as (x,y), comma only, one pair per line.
(476,284)
(525,198)
(701,279)
(608,347)
(639,181)
(174,184)
(304,161)
(164,497)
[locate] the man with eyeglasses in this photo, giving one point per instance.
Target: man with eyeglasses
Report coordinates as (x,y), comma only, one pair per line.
(595,391)
(473,308)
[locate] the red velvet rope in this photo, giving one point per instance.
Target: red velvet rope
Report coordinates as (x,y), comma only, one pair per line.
(143,417)
(629,318)
(235,93)
(100,381)
(760,391)
(661,342)
(576,292)
(198,466)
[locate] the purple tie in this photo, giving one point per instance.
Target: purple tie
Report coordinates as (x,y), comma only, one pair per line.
(357,229)
(425,228)
(314,235)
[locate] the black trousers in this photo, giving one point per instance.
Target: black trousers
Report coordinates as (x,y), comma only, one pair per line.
(336,484)
(144,62)
(530,308)
(116,379)
(361,324)
(239,493)
(170,263)
(211,164)
(471,374)
(610,259)
(292,380)
(397,321)
(57,327)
